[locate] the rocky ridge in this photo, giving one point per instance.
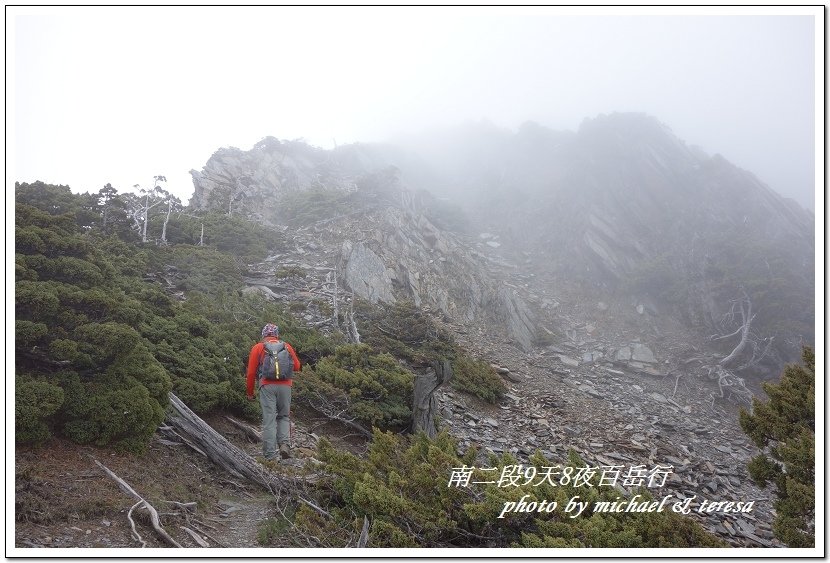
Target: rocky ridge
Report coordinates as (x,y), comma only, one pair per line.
(607,373)
(619,384)
(390,253)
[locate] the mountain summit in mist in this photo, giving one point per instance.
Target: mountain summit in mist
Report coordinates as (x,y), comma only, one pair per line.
(621,207)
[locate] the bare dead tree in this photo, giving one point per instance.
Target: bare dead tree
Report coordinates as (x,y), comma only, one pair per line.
(331,290)
(170,202)
(351,326)
(747,317)
(140,211)
(759,346)
(730,386)
(334,297)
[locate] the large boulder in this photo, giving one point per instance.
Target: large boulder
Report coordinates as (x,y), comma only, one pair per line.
(365,273)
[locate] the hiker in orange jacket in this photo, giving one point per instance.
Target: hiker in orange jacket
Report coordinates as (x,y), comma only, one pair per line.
(274,396)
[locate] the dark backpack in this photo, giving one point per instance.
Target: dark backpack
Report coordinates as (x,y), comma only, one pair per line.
(276,363)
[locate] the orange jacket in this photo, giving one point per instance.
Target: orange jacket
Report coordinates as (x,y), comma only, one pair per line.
(256,357)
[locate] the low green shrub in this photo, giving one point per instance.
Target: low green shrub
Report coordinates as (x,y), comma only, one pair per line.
(28,334)
(478,378)
(372,388)
(404,331)
(290,272)
(121,414)
(35,401)
(403,487)
(273,528)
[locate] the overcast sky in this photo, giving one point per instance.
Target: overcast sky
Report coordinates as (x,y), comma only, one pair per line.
(120,94)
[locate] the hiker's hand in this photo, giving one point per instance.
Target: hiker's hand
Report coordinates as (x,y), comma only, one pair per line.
(250,397)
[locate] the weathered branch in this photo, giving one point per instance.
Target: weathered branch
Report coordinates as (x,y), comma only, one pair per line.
(196,537)
(314,506)
(136,535)
(217,542)
(170,432)
(336,412)
(154,516)
(729,385)
(186,506)
(737,330)
(249,431)
(747,317)
(676,381)
(756,357)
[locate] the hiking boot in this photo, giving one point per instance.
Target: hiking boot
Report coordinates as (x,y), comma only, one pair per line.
(285,451)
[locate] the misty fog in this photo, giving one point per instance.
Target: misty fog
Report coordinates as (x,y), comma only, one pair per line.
(97,99)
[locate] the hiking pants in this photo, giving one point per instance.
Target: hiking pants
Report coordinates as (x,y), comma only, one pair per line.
(275,400)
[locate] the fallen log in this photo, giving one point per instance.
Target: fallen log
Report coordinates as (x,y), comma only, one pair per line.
(231,458)
(223,453)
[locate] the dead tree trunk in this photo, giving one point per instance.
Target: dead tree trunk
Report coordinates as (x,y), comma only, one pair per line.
(746,318)
(146,211)
(194,430)
(351,325)
(334,299)
(364,534)
(425,407)
(166,220)
(729,386)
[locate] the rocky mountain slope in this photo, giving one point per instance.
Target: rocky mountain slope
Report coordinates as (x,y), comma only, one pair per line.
(616,382)
(380,243)
(621,209)
(596,269)
(624,206)
(600,272)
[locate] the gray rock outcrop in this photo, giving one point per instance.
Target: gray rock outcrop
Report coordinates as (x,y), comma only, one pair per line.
(384,247)
(365,273)
(405,256)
